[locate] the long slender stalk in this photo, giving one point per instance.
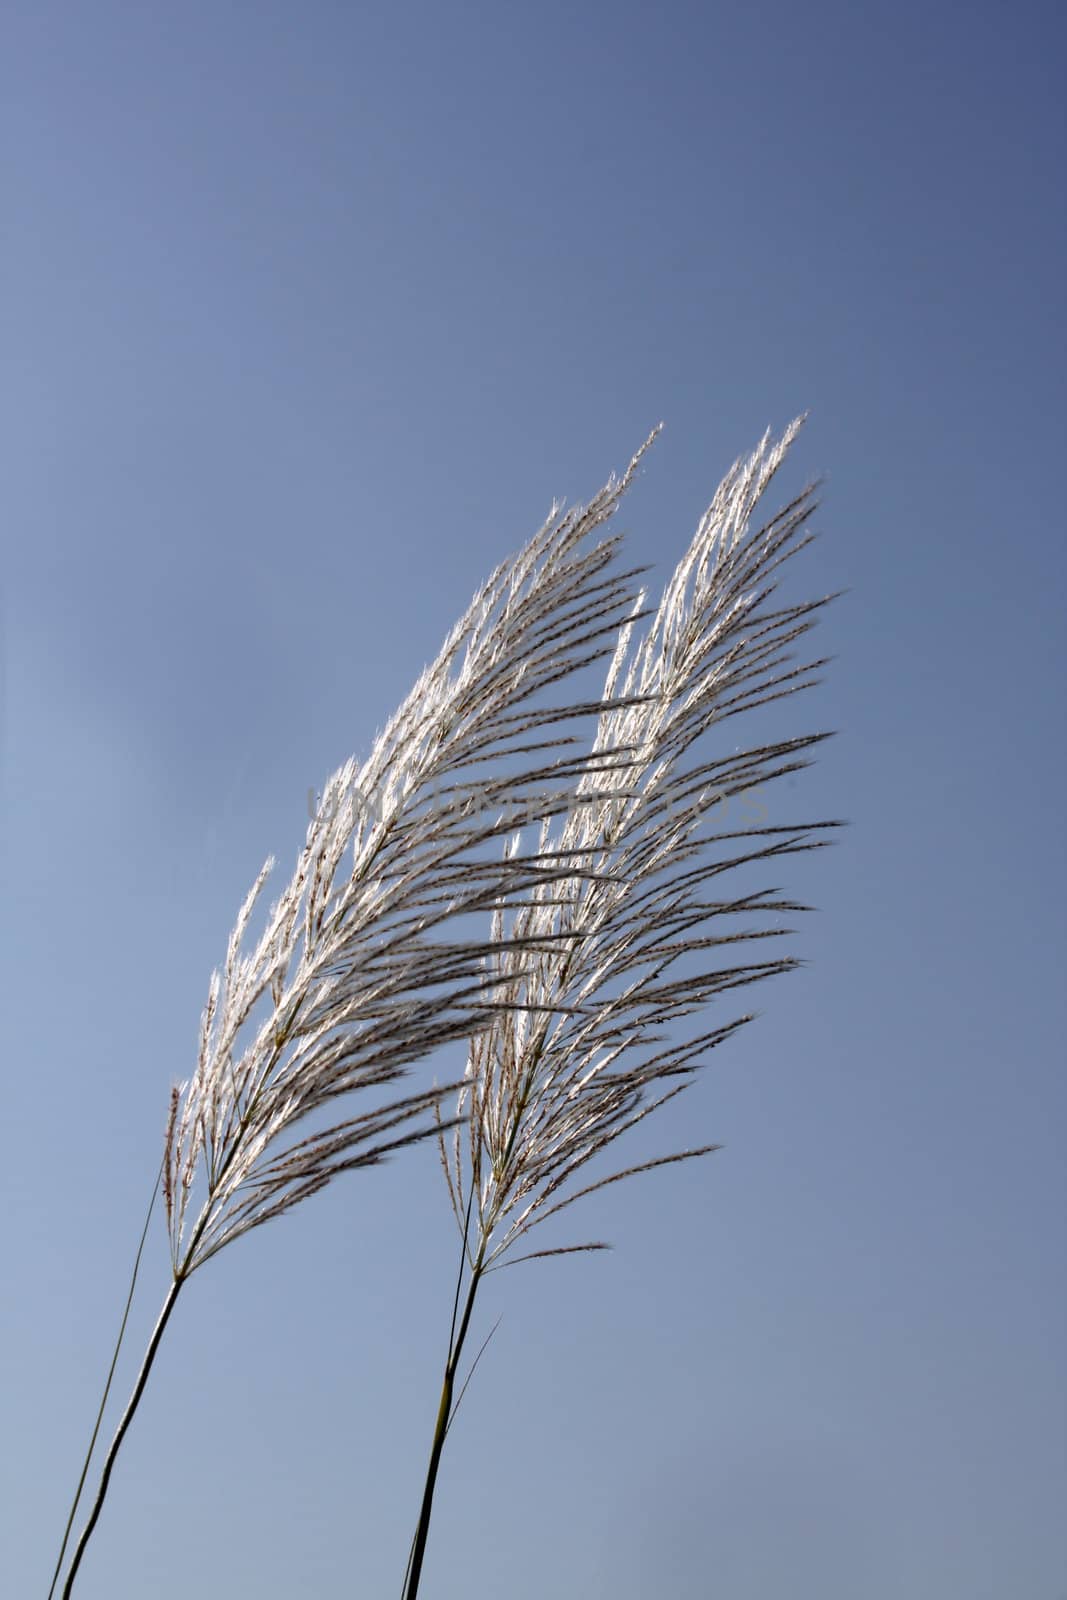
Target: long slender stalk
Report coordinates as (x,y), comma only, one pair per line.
(107,1386)
(445,1410)
(444,1416)
(133,1402)
(120,1432)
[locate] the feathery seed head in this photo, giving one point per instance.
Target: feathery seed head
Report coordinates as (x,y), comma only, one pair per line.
(594,969)
(361,968)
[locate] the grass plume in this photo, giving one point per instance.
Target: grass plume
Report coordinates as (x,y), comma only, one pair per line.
(597,973)
(363,965)
(542,877)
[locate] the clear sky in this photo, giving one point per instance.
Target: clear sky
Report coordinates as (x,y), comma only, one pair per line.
(311,310)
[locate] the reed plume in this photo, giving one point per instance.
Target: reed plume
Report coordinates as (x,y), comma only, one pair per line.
(595,971)
(366,963)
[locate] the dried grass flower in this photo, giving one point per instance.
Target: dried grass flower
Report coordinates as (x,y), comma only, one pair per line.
(367,961)
(542,876)
(597,973)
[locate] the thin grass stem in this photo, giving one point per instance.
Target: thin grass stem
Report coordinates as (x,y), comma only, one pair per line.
(120,1432)
(441,1426)
(107,1386)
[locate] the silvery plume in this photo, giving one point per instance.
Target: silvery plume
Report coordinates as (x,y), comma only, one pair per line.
(371,958)
(598,972)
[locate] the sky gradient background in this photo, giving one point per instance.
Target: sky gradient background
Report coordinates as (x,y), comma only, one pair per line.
(311,311)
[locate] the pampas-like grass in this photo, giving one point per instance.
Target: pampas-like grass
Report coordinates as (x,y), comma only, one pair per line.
(595,972)
(363,967)
(536,879)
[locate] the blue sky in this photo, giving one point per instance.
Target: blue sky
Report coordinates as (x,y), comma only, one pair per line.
(312,312)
